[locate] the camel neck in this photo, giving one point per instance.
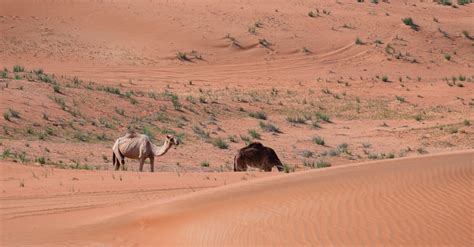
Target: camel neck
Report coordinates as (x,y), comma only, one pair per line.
(161,150)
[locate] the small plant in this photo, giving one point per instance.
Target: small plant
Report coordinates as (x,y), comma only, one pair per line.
(343,148)
(358,41)
(268,127)
(418,117)
(6,115)
(467,35)
(400,98)
(315,124)
(296,119)
(14,113)
(56,88)
(220,143)
(201,133)
(182,56)
(258,115)
(288,169)
(323,117)
(252,30)
(447,57)
(322,164)
(466,122)
(265,43)
(41,160)
(306,50)
(385,78)
(409,22)
(204,164)
(18,68)
(312,14)
(319,140)
(254,134)
(307,154)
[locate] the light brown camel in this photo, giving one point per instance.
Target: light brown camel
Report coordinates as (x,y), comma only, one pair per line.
(138,146)
(257,155)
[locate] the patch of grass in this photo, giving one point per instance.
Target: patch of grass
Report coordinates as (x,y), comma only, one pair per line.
(41,160)
(409,22)
(467,35)
(447,57)
(258,115)
(312,14)
(220,143)
(204,164)
(18,68)
(418,117)
(112,90)
(466,122)
(6,153)
(201,133)
(296,119)
(254,134)
(319,140)
(83,137)
(265,43)
(323,117)
(322,164)
(14,113)
(385,78)
(358,41)
(4,74)
(307,153)
(6,115)
(268,127)
(56,88)
(182,56)
(288,169)
(343,148)
(400,98)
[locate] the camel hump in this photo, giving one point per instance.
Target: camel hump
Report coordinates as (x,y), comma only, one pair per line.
(255,145)
(130,134)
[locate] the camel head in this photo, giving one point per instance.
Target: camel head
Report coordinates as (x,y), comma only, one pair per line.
(172,140)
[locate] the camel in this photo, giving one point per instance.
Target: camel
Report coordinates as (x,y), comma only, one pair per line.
(257,155)
(138,146)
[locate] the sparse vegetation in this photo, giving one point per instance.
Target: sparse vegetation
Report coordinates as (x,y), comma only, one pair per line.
(258,115)
(268,127)
(319,140)
(409,22)
(204,164)
(220,143)
(254,134)
(201,133)
(447,57)
(18,68)
(358,41)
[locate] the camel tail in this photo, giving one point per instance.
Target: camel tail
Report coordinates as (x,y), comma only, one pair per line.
(235,163)
(114,159)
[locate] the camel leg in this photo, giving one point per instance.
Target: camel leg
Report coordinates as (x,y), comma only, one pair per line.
(142,161)
(152,163)
(123,163)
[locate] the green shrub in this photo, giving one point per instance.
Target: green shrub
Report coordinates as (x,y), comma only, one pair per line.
(18,68)
(220,143)
(204,164)
(268,127)
(254,134)
(200,132)
(318,140)
(258,115)
(322,164)
(409,22)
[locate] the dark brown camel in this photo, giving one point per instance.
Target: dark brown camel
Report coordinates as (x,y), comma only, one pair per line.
(258,156)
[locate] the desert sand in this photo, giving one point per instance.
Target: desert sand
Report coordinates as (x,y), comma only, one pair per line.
(369,105)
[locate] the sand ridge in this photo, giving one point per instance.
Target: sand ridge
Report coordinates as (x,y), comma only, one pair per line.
(410,201)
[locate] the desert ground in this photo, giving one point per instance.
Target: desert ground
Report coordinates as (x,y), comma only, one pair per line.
(369,105)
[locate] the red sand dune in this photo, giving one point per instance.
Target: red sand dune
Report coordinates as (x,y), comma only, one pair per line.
(410,201)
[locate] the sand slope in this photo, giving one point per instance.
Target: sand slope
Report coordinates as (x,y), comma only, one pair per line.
(411,201)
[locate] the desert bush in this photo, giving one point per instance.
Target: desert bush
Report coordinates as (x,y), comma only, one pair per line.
(447,57)
(385,78)
(258,115)
(409,22)
(254,134)
(182,56)
(312,14)
(400,98)
(358,41)
(296,119)
(204,164)
(220,143)
(322,164)
(307,153)
(319,140)
(268,127)
(200,132)
(466,122)
(6,115)
(56,88)
(265,43)
(323,117)
(18,68)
